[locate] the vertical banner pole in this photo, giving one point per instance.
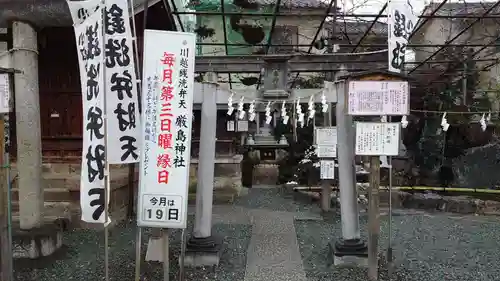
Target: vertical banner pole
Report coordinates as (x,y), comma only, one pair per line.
(166,258)
(106,171)
(183,255)
(138,244)
(389,247)
(373,218)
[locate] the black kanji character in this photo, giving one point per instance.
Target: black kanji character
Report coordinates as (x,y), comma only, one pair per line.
(181,136)
(153,201)
(129,123)
(182,104)
(185,52)
(95,159)
(181,121)
(122,84)
(182,93)
(163,201)
(173,214)
(99,202)
(398,56)
(180,148)
(93,46)
(399,24)
(183,73)
(129,147)
(114,20)
(95,122)
(82,14)
(183,63)
(179,161)
(182,83)
(117,53)
(92,83)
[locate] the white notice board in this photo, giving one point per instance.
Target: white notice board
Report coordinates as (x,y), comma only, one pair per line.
(327,169)
(373,139)
(4,93)
(326,151)
(371,98)
(166,128)
(326,136)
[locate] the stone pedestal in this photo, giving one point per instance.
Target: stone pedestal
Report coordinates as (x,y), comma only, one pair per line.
(349,253)
(37,242)
(203,251)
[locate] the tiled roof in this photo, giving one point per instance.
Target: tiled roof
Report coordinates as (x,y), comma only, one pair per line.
(295,3)
(378,28)
(454,9)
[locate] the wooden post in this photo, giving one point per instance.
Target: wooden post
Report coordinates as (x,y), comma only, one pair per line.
(373,218)
(5,244)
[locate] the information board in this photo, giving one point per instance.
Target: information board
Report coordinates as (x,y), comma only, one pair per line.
(373,139)
(326,151)
(326,136)
(371,98)
(166,128)
(4,93)
(327,169)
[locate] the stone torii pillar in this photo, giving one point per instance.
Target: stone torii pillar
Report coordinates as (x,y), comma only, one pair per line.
(28,127)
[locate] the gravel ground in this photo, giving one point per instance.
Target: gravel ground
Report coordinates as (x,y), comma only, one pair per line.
(427,248)
(276,199)
(83,254)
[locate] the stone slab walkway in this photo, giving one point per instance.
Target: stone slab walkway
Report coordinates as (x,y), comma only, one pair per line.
(273,253)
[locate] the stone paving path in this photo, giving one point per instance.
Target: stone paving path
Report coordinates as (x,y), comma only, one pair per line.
(273,253)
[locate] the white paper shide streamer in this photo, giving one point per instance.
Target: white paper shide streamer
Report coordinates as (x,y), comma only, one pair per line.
(444,123)
(251,111)
(284,115)
(310,108)
(269,118)
(241,111)
(300,114)
(89,39)
(230,107)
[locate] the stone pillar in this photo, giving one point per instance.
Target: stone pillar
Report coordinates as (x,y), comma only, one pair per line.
(28,127)
(350,249)
(203,249)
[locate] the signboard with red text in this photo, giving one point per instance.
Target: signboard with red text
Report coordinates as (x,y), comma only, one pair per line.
(167,100)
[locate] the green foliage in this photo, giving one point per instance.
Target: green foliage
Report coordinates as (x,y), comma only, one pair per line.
(299,164)
(430,154)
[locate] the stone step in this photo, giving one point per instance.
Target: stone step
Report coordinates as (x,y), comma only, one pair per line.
(51,210)
(51,195)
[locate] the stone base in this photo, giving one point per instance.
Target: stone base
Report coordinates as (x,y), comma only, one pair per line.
(38,242)
(203,251)
(349,253)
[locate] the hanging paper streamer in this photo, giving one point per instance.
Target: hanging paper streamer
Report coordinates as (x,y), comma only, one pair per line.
(269,118)
(444,123)
(251,111)
(300,115)
(311,109)
(240,109)
(482,122)
(404,122)
(230,106)
(324,105)
(284,117)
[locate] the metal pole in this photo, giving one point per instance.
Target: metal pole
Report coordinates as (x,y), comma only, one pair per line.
(464,83)
(166,265)
(106,172)
(183,255)
(138,245)
(373,218)
(390,257)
